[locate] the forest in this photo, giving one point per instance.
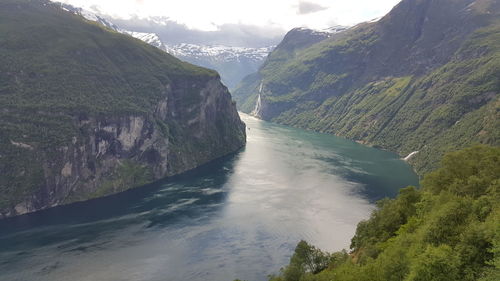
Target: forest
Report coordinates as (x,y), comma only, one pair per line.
(448,229)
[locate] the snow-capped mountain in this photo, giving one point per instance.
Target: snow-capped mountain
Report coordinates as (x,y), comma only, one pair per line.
(232,63)
(150,38)
(219,52)
(89,16)
(335,29)
(327,32)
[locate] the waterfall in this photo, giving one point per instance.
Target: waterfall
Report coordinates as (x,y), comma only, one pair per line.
(410,155)
(258,104)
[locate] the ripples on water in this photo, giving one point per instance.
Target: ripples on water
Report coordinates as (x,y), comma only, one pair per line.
(238,217)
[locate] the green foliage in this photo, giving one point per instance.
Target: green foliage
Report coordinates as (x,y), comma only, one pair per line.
(470,172)
(127,174)
(439,232)
(435,264)
(24,170)
(367,84)
(308,259)
(384,223)
(60,72)
(79,66)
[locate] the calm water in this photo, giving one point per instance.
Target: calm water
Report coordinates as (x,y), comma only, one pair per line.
(240,217)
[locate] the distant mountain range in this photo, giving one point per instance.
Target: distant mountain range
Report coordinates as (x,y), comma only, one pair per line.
(232,63)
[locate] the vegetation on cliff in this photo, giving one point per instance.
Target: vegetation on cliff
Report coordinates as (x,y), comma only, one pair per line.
(76,97)
(423,78)
(447,230)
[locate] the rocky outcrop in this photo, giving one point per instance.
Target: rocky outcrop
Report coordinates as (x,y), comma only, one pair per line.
(86,111)
(115,153)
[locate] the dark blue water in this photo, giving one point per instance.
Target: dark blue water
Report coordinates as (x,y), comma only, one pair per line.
(239,217)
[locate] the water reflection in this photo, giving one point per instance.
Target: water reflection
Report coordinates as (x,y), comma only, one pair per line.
(239,217)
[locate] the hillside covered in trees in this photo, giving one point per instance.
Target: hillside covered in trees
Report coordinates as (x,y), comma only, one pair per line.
(449,229)
(86,111)
(423,78)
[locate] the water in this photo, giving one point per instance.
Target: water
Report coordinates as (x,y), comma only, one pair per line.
(239,217)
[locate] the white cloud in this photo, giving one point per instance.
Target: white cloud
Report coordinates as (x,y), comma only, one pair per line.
(208,15)
(306,7)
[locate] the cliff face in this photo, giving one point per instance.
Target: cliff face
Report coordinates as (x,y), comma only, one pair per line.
(133,116)
(423,78)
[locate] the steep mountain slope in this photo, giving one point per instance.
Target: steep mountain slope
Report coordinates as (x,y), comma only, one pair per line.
(232,63)
(295,40)
(150,38)
(425,78)
(86,111)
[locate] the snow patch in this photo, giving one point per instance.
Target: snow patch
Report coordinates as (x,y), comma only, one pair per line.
(150,38)
(224,53)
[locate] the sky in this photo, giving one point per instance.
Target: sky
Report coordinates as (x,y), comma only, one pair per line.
(210,15)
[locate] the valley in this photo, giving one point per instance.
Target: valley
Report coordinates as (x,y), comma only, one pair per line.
(307,140)
(239,217)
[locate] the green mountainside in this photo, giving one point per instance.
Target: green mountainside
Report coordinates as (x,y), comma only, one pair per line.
(86,111)
(424,78)
(447,230)
(296,39)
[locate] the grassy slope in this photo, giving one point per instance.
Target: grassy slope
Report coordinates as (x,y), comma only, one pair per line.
(351,86)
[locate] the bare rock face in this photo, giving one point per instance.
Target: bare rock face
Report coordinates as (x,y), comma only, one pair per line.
(99,114)
(115,153)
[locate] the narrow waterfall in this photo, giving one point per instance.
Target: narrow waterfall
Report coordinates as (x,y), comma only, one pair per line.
(258,104)
(410,155)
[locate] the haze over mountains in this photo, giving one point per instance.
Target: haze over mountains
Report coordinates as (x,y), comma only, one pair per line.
(234,50)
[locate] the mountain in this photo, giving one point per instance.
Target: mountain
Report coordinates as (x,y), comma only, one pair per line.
(425,78)
(86,111)
(150,38)
(233,63)
(296,39)
(91,16)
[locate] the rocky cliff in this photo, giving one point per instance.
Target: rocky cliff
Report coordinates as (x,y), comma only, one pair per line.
(86,112)
(423,78)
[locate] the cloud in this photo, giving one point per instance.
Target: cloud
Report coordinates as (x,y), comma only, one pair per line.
(173,32)
(212,15)
(306,7)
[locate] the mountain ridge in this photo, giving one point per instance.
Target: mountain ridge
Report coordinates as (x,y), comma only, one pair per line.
(232,62)
(423,78)
(86,111)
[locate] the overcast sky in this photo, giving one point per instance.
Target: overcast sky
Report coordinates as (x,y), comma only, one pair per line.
(209,15)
